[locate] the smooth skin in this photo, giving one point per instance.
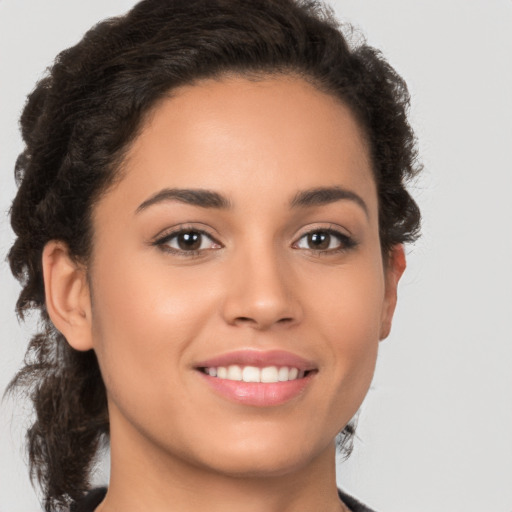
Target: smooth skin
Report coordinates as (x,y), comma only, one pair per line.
(152,306)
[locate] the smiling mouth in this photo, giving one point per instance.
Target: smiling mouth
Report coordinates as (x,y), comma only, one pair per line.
(266,374)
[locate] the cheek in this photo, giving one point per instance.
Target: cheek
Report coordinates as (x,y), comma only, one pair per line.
(143,322)
(348,317)
(348,302)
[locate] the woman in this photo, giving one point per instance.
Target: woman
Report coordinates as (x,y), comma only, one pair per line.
(210,219)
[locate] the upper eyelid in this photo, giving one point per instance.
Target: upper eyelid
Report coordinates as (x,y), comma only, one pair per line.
(347,241)
(168,233)
(182,228)
(173,234)
(329,231)
(329,227)
(162,242)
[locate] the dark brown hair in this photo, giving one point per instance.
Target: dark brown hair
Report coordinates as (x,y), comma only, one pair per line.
(81,118)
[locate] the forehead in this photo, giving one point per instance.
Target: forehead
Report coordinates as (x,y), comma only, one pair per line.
(267,136)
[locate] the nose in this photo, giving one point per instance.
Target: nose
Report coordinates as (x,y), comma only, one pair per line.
(261,292)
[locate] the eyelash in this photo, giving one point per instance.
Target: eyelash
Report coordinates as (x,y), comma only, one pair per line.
(164,240)
(345,241)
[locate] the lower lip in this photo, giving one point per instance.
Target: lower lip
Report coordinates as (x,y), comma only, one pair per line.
(258,394)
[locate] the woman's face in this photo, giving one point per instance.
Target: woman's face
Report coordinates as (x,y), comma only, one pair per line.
(241,243)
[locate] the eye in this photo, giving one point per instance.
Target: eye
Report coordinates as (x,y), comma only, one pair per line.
(324,240)
(187,241)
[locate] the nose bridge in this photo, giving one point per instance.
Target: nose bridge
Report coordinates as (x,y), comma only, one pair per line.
(260,288)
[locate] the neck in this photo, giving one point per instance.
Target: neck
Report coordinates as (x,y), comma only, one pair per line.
(144,477)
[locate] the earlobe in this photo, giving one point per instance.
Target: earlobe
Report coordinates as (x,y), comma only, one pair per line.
(393,271)
(67,295)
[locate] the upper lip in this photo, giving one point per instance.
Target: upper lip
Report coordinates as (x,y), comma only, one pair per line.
(259,359)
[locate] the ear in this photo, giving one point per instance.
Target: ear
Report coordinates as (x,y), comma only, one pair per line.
(393,269)
(67,295)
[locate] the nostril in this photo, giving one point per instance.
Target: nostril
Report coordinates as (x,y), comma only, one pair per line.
(244,319)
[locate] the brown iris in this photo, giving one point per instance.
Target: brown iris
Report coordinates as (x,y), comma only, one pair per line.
(189,241)
(319,240)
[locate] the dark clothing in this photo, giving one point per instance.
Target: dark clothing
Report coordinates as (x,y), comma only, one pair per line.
(90,501)
(95,497)
(352,503)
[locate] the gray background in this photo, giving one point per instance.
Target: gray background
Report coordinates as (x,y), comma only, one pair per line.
(435,433)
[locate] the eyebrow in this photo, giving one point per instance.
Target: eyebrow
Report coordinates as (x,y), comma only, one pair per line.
(210,199)
(195,197)
(326,195)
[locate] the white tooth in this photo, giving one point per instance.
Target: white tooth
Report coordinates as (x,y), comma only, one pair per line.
(269,374)
(234,372)
(222,372)
(212,371)
(293,374)
(283,374)
(301,374)
(251,374)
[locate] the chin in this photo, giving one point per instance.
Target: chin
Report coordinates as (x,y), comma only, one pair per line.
(261,465)
(263,456)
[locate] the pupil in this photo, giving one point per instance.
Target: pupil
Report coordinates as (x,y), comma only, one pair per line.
(319,240)
(189,241)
